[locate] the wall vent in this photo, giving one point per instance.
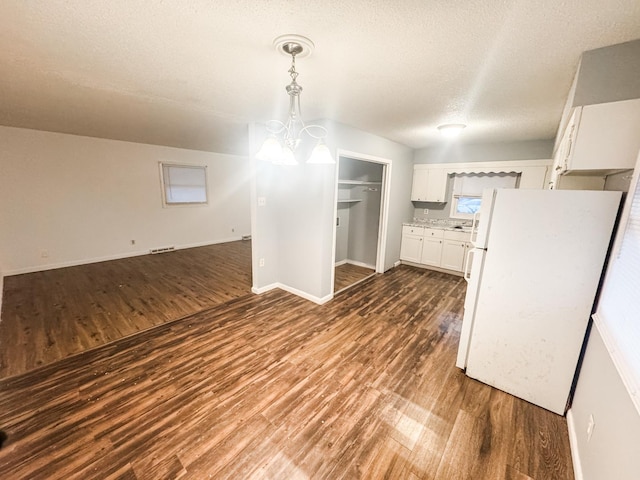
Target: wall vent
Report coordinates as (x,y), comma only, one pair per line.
(246,237)
(162,249)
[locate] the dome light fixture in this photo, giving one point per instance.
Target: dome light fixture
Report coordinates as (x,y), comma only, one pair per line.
(284,137)
(451,130)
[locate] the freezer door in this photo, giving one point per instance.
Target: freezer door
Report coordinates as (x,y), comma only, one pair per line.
(476,258)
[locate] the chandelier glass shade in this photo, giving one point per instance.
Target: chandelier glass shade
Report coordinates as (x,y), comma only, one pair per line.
(284,138)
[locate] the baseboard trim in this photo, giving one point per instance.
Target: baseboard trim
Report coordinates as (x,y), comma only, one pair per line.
(266,288)
(430,267)
(305,295)
(341,262)
(573,443)
(106,258)
(292,290)
(360,264)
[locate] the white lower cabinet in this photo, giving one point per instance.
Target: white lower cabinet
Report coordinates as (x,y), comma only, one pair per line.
(411,249)
(411,246)
(453,252)
(432,246)
(435,247)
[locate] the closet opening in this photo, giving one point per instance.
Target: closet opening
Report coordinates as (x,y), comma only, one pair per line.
(359,221)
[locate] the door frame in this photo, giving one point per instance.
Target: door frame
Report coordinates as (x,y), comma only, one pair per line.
(384,207)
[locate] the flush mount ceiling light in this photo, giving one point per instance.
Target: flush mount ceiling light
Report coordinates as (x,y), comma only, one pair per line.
(285,137)
(451,130)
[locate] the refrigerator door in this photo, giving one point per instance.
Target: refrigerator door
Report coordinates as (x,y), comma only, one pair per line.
(545,254)
(483,218)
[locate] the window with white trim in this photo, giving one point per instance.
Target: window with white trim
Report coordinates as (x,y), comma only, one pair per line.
(184,184)
(466,194)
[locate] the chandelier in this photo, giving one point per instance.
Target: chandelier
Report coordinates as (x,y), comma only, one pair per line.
(284,137)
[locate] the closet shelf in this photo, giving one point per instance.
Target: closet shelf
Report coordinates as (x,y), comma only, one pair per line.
(349,200)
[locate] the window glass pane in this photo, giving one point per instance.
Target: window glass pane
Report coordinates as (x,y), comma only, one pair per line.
(469,205)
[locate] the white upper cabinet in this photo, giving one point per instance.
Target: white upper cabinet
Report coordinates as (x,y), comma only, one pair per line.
(429,184)
(600,139)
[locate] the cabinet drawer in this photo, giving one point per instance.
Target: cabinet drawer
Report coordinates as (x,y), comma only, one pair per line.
(453,235)
(433,232)
(411,230)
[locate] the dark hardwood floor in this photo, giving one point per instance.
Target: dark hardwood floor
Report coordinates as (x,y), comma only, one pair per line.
(49,315)
(348,274)
(276,387)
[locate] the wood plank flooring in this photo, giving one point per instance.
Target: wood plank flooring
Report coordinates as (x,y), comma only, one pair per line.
(275,387)
(49,315)
(348,274)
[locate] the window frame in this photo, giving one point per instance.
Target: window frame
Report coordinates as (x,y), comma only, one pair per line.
(164,185)
(454,206)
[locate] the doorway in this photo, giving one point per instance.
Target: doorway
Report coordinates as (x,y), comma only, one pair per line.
(359,212)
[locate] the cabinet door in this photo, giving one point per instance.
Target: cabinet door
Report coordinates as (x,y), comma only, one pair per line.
(606,137)
(411,248)
(436,185)
(453,252)
(419,186)
(431,251)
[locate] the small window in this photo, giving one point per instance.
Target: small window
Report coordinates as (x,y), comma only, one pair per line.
(184,184)
(466,195)
(464,205)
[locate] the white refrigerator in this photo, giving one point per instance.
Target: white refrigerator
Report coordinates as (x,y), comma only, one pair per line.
(535,268)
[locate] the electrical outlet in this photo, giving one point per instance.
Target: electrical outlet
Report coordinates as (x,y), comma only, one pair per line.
(426,211)
(233,230)
(44,253)
(262,201)
(261,262)
(590,426)
(133,242)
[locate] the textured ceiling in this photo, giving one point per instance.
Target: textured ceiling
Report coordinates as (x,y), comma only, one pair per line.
(193,73)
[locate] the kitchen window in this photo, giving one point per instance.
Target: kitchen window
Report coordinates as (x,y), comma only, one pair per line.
(183,184)
(466,195)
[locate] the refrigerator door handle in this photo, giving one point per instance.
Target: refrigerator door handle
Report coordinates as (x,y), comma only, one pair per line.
(467,265)
(474,228)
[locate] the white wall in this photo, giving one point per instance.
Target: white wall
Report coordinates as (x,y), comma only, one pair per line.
(84,199)
(454,152)
(293,231)
(614,448)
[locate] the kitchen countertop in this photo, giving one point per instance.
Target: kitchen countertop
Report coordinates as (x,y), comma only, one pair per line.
(452,228)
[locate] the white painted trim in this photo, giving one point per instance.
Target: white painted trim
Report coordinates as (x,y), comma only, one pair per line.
(384,217)
(362,156)
(397,264)
(294,291)
(264,289)
(106,258)
(341,262)
(305,295)
(360,264)
(573,443)
(384,206)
